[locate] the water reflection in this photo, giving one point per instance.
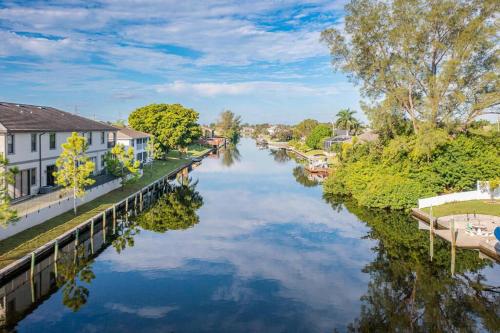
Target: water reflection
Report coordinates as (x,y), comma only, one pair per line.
(231,154)
(280,155)
(408,292)
(175,210)
(74,272)
(303,177)
(261,252)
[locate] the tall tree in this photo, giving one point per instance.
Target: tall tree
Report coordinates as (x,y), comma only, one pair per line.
(318,134)
(435,60)
(74,167)
(345,119)
(122,163)
(173,125)
(229,125)
(304,128)
(6,177)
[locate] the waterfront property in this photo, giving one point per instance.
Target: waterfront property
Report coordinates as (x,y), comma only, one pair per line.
(31,138)
(138,140)
(316,264)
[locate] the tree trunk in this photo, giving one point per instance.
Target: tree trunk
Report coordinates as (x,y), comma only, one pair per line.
(74,200)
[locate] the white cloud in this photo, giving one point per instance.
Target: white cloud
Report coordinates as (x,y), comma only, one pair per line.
(150,312)
(211,89)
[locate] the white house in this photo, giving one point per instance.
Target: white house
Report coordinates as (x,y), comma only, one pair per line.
(31,138)
(138,140)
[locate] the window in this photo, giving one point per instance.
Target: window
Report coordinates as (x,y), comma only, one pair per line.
(52,141)
(90,139)
(103,160)
(33,142)
(132,142)
(103,135)
(33,176)
(10,144)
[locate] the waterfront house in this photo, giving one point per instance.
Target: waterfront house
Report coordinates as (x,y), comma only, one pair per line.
(31,138)
(339,136)
(138,140)
(207,132)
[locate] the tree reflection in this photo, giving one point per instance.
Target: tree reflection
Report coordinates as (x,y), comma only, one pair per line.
(231,154)
(302,177)
(175,210)
(125,236)
(74,268)
(280,155)
(408,292)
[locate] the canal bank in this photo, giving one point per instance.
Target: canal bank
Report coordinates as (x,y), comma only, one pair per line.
(22,244)
(251,247)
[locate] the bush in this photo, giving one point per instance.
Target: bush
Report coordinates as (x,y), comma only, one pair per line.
(398,174)
(317,136)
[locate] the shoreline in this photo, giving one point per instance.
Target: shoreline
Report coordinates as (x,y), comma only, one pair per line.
(36,253)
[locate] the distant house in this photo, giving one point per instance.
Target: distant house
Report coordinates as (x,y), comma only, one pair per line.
(31,138)
(339,136)
(136,139)
(207,132)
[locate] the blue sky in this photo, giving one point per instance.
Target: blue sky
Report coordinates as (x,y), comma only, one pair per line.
(261,59)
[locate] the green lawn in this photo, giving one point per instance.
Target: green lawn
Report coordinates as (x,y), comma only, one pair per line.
(474,206)
(19,245)
(194,150)
(315,152)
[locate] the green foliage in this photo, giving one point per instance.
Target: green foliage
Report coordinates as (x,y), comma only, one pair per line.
(176,210)
(398,174)
(7,214)
(433,60)
(121,163)
(346,120)
(172,125)
(229,125)
(317,136)
(282,133)
(409,292)
(304,128)
(74,167)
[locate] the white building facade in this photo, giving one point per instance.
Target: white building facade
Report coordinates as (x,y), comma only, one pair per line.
(138,140)
(31,139)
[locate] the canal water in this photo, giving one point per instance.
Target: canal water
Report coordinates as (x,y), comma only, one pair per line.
(248,243)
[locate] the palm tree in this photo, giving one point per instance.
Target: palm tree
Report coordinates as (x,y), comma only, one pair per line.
(345,119)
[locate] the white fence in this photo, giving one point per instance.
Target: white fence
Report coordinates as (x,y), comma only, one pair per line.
(481,193)
(56,208)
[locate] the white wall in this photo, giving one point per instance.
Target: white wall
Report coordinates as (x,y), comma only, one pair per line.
(23,158)
(64,205)
(479,194)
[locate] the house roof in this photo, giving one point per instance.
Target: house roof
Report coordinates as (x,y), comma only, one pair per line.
(130,133)
(31,118)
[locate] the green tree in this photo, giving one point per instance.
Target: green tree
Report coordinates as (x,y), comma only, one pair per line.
(122,163)
(6,178)
(435,60)
(74,167)
(172,125)
(318,134)
(229,125)
(304,128)
(346,120)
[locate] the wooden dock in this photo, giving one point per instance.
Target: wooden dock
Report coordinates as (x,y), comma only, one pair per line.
(443,227)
